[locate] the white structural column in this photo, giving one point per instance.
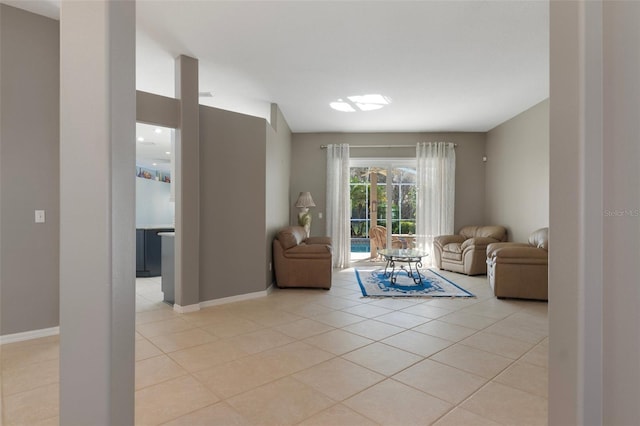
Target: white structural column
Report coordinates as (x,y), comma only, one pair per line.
(570,211)
(187,189)
(621,202)
(97,202)
(594,373)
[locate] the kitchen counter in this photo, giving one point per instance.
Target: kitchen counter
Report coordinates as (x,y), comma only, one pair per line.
(148,250)
(168,266)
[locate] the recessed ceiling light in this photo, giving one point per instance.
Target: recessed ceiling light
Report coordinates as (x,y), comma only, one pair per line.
(369,102)
(168,152)
(140,139)
(158,130)
(368,107)
(341,105)
(154,164)
(370,99)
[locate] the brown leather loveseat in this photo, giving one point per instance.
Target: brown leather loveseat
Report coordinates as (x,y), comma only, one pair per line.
(467,252)
(300,261)
(520,270)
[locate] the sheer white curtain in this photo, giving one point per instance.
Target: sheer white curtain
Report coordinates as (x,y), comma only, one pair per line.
(339,203)
(436,170)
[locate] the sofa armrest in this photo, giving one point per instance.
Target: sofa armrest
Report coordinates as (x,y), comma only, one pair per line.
(491,248)
(478,243)
(318,240)
(443,240)
(519,254)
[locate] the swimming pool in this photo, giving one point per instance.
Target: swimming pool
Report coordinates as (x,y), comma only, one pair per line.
(360,245)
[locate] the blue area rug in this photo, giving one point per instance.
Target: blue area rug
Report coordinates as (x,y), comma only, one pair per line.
(374,283)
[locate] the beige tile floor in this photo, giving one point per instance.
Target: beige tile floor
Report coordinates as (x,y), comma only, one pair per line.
(316,357)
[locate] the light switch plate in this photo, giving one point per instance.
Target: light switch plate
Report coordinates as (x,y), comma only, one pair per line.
(39,216)
(319,215)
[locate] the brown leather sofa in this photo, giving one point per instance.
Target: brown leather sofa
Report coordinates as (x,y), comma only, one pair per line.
(300,261)
(467,252)
(518,270)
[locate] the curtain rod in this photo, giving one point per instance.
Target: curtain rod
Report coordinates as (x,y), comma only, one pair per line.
(379,146)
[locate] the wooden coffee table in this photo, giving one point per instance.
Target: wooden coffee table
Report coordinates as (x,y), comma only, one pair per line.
(403,257)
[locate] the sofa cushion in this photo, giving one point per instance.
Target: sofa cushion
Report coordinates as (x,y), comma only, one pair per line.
(319,240)
(453,248)
(308,251)
(490,231)
(469,231)
(495,232)
(452,251)
(291,236)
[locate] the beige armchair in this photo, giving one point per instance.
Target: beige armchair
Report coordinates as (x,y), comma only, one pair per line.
(520,270)
(467,252)
(300,261)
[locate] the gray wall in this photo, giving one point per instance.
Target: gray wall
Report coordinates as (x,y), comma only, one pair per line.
(232,204)
(29,171)
(156,109)
(153,207)
(308,168)
(278,172)
(233,151)
(517,175)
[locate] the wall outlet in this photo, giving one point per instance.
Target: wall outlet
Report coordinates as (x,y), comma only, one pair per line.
(270,266)
(39,216)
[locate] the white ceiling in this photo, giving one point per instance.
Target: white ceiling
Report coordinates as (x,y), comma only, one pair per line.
(153,147)
(446,65)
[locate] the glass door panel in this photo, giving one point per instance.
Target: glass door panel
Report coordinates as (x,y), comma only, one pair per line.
(372,186)
(359,202)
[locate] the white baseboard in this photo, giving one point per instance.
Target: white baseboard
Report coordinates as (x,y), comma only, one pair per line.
(46,332)
(28,335)
(238,298)
(187,308)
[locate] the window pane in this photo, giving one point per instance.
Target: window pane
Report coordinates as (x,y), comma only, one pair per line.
(405,200)
(396,175)
(382,203)
(359,207)
(396,206)
(408,175)
(408,202)
(359,174)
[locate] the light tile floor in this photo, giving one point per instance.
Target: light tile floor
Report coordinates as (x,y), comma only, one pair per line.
(317,357)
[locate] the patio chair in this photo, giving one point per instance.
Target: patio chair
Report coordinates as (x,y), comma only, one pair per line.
(378,238)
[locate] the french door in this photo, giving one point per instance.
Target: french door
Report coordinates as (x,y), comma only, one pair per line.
(383,193)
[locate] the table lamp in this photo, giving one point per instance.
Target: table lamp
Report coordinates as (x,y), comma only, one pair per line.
(304,217)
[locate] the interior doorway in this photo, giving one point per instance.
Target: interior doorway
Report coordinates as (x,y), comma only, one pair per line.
(155,213)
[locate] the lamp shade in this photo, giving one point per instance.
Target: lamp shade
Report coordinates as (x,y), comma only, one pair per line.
(305,200)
